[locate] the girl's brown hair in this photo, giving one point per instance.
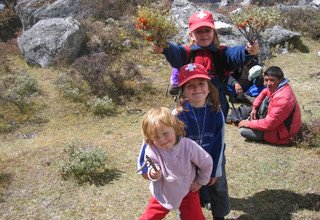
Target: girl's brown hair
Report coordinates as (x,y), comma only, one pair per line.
(211,99)
(156,116)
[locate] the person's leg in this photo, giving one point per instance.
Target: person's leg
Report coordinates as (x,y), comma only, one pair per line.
(251,134)
(190,207)
(220,203)
(204,197)
(154,211)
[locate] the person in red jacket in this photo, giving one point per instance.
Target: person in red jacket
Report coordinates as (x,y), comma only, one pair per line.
(275,116)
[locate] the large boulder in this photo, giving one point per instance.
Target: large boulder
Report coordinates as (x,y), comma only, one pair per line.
(51,39)
(32,11)
(279,36)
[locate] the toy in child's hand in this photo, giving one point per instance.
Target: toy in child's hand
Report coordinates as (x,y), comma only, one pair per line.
(154,26)
(252,21)
(148,162)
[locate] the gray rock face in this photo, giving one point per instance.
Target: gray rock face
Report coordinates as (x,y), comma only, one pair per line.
(32,11)
(315,3)
(50,39)
(279,35)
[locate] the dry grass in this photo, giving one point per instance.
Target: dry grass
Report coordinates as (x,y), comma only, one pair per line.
(266,182)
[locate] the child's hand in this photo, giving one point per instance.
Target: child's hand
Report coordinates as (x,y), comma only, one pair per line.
(212,181)
(157,49)
(195,186)
(253,49)
(155,175)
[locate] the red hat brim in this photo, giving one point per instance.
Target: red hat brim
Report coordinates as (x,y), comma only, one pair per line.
(193,77)
(201,24)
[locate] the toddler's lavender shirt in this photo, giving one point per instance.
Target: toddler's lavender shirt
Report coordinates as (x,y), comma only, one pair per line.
(178,167)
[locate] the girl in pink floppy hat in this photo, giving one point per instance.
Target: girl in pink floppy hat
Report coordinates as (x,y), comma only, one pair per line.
(206,50)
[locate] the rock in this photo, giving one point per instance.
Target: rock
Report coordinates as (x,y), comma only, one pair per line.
(32,11)
(50,39)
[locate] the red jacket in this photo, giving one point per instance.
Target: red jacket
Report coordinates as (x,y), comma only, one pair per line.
(281,104)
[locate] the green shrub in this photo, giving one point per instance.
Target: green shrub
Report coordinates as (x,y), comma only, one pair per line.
(85,163)
(72,86)
(18,89)
(309,136)
(305,21)
(101,106)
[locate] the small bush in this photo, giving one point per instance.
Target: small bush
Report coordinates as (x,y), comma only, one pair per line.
(18,89)
(85,163)
(305,21)
(309,136)
(274,2)
(72,86)
(102,106)
(9,23)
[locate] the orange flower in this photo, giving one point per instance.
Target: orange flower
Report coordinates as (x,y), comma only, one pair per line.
(241,26)
(142,20)
(149,38)
(138,27)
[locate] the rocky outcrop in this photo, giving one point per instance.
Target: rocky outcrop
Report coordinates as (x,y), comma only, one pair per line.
(32,11)
(50,39)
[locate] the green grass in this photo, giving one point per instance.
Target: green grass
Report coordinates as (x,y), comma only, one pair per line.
(265,181)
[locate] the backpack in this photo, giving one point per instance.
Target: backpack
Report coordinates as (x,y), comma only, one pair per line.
(217,63)
(238,114)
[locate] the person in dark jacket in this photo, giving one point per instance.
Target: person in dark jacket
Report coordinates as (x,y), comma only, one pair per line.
(206,50)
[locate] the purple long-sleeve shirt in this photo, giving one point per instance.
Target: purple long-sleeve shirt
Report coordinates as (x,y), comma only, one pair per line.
(178,169)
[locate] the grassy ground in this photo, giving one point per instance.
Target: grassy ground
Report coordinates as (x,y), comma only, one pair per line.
(265,181)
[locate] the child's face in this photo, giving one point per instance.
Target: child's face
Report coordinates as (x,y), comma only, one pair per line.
(165,137)
(196,91)
(202,36)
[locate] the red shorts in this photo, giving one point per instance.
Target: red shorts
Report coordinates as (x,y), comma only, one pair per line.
(190,208)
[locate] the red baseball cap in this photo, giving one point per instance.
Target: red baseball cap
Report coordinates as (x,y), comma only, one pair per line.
(201,19)
(191,71)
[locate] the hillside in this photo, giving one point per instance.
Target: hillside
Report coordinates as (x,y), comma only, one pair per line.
(266,182)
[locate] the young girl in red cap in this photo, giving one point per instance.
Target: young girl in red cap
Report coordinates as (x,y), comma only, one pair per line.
(180,167)
(199,109)
(205,49)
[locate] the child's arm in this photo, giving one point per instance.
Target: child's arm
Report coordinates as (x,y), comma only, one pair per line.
(203,161)
(176,55)
(218,146)
(143,170)
(237,56)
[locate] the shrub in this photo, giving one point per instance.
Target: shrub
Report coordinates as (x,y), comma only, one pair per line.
(93,69)
(85,163)
(110,39)
(306,21)
(104,9)
(72,86)
(309,135)
(9,23)
(274,2)
(106,76)
(18,89)
(101,106)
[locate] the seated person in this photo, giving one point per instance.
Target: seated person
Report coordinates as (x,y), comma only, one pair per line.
(275,117)
(246,83)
